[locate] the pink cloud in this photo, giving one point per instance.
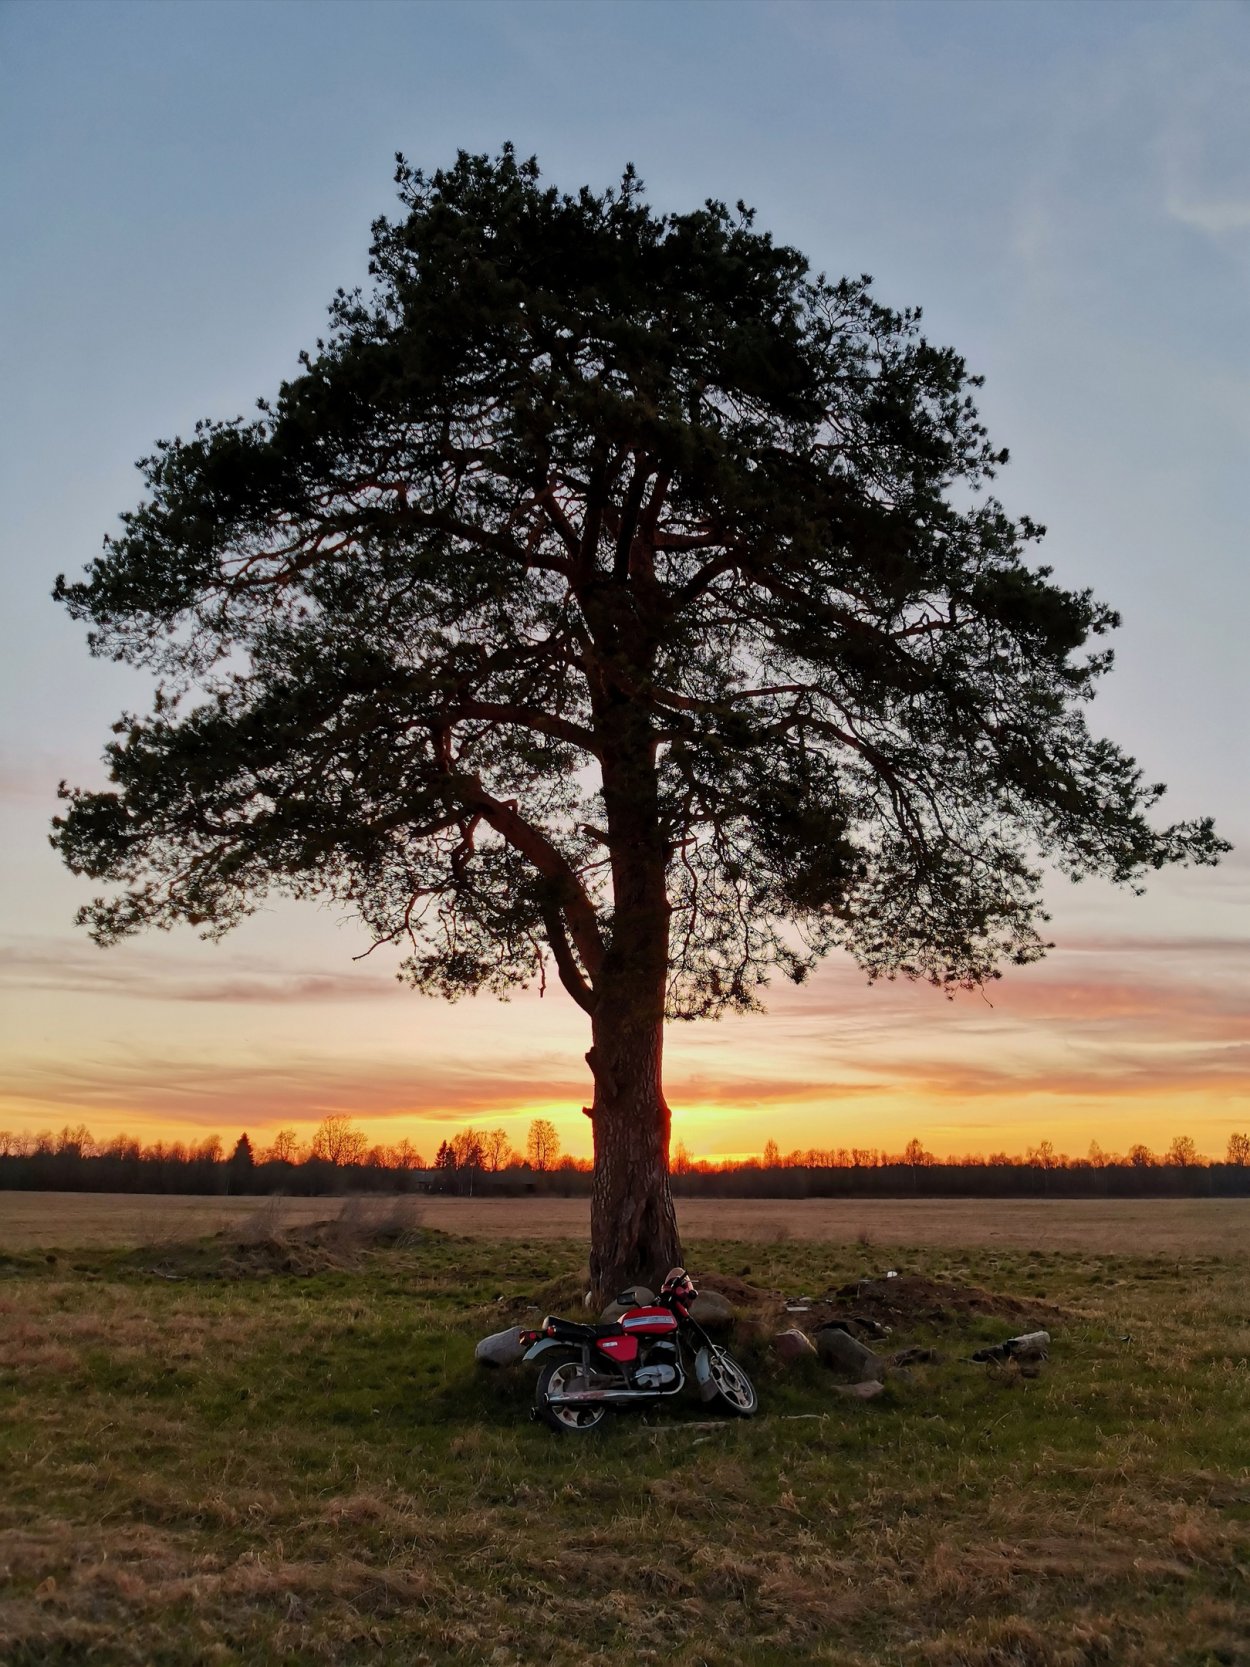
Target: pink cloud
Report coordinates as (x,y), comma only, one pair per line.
(79,968)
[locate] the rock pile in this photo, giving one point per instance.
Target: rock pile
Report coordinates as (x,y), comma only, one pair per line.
(845,1328)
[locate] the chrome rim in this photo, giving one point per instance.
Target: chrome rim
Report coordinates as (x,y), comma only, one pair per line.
(732,1382)
(572,1417)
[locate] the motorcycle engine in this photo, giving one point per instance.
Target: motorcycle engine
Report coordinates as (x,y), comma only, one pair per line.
(655,1377)
(659,1367)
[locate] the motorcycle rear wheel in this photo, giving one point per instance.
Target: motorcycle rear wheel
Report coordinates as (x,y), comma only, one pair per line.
(734,1389)
(580,1420)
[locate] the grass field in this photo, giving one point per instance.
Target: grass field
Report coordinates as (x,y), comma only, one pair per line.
(66,1220)
(284,1453)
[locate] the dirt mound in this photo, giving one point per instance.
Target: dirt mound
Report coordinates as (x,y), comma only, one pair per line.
(301,1253)
(914,1299)
(265,1244)
(565,1295)
(735,1290)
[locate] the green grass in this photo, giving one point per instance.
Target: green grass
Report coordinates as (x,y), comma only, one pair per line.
(307,1466)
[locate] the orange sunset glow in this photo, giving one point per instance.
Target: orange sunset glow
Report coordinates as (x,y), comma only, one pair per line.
(1115,1038)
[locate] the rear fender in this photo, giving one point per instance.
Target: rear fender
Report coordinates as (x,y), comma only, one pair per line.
(543,1344)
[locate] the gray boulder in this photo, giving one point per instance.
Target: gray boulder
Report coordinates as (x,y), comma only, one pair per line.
(793,1345)
(847,1356)
(916,1355)
(859,1391)
(502,1348)
(640,1297)
(712,1310)
(1029,1346)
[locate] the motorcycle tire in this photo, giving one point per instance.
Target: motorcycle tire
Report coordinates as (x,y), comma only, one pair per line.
(566,1419)
(735,1392)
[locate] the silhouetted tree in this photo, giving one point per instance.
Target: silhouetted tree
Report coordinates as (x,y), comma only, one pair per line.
(1183,1152)
(542,1144)
(284,1148)
(1238,1149)
(75,1143)
(610,589)
(469,1151)
(241,1165)
(337,1141)
(497,1149)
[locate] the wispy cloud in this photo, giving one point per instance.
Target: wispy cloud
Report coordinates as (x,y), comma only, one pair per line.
(742,1088)
(1213,217)
(205,1091)
(1123,1076)
(1203,148)
(1134,1010)
(71,967)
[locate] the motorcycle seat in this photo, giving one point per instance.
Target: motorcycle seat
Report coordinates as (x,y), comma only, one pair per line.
(580,1330)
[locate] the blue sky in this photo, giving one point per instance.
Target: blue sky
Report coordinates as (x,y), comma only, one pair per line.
(1064,188)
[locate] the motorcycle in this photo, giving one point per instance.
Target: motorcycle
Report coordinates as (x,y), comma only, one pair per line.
(638,1360)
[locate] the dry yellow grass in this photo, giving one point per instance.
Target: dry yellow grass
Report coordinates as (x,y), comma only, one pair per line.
(229,1469)
(1144,1226)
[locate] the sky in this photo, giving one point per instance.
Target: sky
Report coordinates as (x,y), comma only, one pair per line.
(1064,188)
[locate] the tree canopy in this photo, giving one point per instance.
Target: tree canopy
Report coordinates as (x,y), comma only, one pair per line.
(606,592)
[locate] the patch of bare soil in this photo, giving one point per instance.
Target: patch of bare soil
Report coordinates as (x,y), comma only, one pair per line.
(879,1306)
(265,1245)
(736,1290)
(911,1299)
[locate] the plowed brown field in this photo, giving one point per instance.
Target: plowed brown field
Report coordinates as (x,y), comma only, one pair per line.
(50,1220)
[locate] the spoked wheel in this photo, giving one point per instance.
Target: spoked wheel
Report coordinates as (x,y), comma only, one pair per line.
(734,1389)
(559,1379)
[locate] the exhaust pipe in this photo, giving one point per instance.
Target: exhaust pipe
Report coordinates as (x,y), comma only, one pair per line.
(611,1395)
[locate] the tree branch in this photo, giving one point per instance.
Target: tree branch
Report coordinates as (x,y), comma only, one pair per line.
(550,861)
(566,965)
(703,580)
(560,521)
(629,516)
(529,717)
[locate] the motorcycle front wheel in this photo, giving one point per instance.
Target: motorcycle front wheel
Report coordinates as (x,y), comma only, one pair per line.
(558,1378)
(734,1389)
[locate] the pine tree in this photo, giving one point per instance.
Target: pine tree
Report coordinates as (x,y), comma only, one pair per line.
(606,592)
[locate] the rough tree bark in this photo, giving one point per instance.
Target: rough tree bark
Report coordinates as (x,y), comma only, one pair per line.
(633,1227)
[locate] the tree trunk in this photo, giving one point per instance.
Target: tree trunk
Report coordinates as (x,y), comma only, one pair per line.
(633,1228)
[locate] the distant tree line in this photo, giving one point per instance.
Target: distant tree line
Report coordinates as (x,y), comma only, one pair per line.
(1043,1171)
(339,1159)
